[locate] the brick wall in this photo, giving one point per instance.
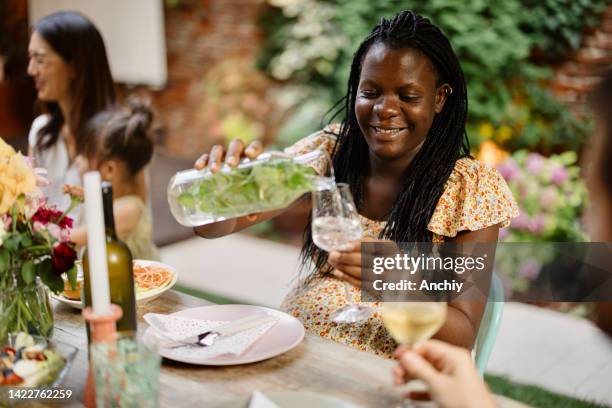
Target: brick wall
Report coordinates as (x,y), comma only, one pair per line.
(576,77)
(207,39)
(212,46)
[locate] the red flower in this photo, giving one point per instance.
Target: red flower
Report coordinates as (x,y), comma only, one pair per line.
(46,215)
(63,258)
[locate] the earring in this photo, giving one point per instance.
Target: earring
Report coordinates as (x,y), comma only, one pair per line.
(449,91)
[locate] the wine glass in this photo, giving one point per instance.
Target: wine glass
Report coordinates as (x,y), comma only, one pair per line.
(335,223)
(412,323)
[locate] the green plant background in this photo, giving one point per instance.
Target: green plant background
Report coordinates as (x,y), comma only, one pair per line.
(505,47)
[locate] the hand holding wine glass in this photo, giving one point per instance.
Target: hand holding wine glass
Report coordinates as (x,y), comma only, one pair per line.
(448,371)
(335,224)
(412,323)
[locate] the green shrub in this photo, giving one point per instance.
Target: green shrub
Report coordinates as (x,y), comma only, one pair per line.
(503,47)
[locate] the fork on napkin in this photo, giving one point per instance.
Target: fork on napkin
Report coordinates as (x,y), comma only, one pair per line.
(170,331)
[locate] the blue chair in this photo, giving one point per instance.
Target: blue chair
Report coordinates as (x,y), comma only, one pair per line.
(489,326)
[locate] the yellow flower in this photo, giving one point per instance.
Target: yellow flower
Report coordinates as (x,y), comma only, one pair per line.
(486,130)
(491,154)
(503,133)
(16,177)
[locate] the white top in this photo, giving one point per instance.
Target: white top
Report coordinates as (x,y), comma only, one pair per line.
(60,171)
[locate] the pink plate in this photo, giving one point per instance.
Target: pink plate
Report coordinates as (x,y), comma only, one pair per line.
(282,337)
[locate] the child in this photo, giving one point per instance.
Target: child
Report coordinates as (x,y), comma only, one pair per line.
(119,147)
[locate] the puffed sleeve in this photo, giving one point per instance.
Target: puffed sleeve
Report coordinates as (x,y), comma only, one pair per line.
(323,139)
(476,196)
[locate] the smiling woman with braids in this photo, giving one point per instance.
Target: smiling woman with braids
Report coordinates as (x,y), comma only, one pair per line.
(403,149)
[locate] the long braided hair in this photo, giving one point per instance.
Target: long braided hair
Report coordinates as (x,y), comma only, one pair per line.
(445,143)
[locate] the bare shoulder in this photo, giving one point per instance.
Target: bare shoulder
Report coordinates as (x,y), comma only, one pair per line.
(127,211)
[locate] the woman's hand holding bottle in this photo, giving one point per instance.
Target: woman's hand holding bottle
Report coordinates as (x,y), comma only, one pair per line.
(235,152)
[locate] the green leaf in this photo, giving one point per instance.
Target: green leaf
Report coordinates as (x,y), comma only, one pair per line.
(72,277)
(268,185)
(26,240)
(28,272)
(5,258)
(49,278)
(12,243)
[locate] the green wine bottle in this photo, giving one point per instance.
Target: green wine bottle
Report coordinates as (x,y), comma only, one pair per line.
(120,273)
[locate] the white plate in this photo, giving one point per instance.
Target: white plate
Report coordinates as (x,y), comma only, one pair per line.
(141,297)
(295,399)
(282,337)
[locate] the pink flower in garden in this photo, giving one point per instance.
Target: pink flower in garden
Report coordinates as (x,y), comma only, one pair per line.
(508,169)
(503,234)
(530,269)
(534,163)
(559,175)
(521,222)
(549,198)
(537,224)
(524,187)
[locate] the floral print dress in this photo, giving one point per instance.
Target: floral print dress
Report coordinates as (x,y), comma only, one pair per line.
(475,197)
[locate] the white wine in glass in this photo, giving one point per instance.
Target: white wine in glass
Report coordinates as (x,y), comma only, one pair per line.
(412,323)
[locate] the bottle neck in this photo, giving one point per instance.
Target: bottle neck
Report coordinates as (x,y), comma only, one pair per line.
(109,219)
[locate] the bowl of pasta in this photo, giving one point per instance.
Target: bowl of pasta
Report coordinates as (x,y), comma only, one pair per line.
(151,279)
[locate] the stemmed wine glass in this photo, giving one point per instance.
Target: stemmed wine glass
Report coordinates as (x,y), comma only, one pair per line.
(412,323)
(335,223)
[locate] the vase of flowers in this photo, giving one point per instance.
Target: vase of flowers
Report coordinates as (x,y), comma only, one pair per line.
(26,309)
(35,251)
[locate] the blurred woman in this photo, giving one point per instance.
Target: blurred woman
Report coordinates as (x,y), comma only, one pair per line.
(599,182)
(73,80)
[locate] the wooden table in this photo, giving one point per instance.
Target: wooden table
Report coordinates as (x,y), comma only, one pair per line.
(316,365)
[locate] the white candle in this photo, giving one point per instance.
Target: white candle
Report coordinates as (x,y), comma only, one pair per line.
(96,244)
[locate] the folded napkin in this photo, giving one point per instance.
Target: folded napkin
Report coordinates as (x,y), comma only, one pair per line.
(179,328)
(258,400)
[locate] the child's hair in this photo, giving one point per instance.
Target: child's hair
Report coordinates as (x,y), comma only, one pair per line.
(123,134)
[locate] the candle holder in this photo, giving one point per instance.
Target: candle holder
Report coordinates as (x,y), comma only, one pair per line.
(125,372)
(102,329)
